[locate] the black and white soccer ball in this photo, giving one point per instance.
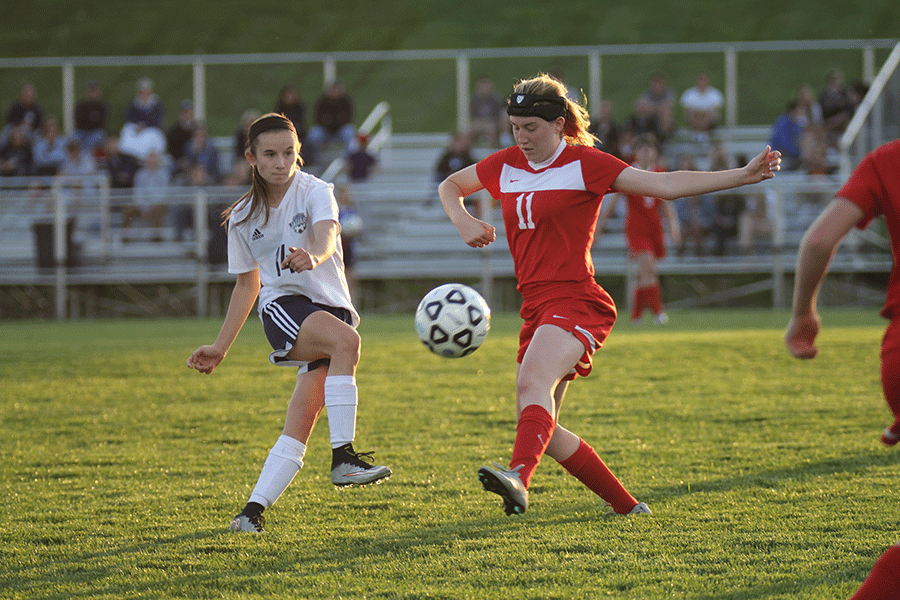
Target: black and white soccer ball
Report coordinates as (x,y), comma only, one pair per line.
(452,320)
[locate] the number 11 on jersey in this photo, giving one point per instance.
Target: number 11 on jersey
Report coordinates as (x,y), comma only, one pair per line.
(523,209)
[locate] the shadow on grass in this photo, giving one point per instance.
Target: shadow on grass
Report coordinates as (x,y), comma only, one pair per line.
(856,463)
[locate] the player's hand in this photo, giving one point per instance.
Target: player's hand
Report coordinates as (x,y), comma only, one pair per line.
(205,359)
(299,260)
(476,233)
(800,336)
(763,166)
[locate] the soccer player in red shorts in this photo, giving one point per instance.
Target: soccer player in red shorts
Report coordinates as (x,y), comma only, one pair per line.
(644,232)
(872,190)
(550,186)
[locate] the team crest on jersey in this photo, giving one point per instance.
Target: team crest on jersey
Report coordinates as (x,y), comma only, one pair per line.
(298,223)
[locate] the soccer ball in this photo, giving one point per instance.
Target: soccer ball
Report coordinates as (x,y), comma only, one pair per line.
(452,320)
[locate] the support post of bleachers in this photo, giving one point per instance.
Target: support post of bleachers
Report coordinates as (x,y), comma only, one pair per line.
(105,220)
(201,225)
(731,87)
(462,92)
(199,90)
(60,243)
(68,89)
(595,83)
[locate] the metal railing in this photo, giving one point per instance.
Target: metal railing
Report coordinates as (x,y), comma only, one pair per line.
(462,58)
(380,115)
(871,110)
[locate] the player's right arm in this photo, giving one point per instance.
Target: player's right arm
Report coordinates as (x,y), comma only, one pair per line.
(819,244)
(246,289)
(475,232)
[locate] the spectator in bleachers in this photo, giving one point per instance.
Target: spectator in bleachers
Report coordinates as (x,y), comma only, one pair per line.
(457,155)
(26,111)
(643,121)
(241,134)
(49,148)
(486,113)
(291,106)
(200,150)
(16,156)
(787,136)
(151,184)
(334,120)
(837,104)
(142,132)
(178,135)
(695,214)
(78,162)
(810,109)
(728,207)
(605,129)
(361,162)
(662,98)
(702,107)
(351,230)
(121,168)
(91,114)
(754,222)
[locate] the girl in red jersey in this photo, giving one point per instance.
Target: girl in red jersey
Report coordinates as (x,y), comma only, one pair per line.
(644,231)
(872,190)
(550,185)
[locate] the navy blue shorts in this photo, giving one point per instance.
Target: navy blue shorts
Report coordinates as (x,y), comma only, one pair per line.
(282,318)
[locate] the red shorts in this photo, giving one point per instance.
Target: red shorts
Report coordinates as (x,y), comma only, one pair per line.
(647,243)
(890,363)
(585,310)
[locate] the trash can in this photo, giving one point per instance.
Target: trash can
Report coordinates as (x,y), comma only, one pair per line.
(44,244)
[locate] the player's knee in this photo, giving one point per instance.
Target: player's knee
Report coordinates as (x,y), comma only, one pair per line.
(347,344)
(529,385)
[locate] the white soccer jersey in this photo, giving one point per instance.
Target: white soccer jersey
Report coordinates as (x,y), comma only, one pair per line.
(264,245)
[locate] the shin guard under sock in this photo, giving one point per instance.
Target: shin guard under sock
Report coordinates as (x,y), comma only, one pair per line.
(588,468)
(533,434)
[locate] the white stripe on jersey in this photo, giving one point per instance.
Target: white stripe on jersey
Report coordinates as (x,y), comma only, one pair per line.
(282,319)
(565,177)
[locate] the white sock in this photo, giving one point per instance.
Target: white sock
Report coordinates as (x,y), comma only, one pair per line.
(284,460)
(340,402)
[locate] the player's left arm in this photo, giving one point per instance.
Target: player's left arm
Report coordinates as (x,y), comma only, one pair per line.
(678,184)
(817,249)
(324,244)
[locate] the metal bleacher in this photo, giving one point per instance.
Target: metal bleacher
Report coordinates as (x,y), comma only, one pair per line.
(406,236)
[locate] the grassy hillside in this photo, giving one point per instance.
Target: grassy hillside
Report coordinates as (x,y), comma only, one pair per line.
(418,90)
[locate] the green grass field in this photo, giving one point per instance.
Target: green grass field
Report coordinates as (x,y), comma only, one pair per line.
(121,468)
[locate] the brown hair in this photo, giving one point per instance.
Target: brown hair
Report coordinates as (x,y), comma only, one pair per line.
(577,118)
(258,194)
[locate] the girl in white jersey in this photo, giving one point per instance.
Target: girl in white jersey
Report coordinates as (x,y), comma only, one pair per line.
(550,186)
(284,235)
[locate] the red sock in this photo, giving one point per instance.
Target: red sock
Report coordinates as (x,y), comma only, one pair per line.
(638,300)
(654,299)
(589,469)
(533,434)
(883,582)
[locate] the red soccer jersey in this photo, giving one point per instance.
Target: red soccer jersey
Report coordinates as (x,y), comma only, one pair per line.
(550,213)
(643,225)
(875,188)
